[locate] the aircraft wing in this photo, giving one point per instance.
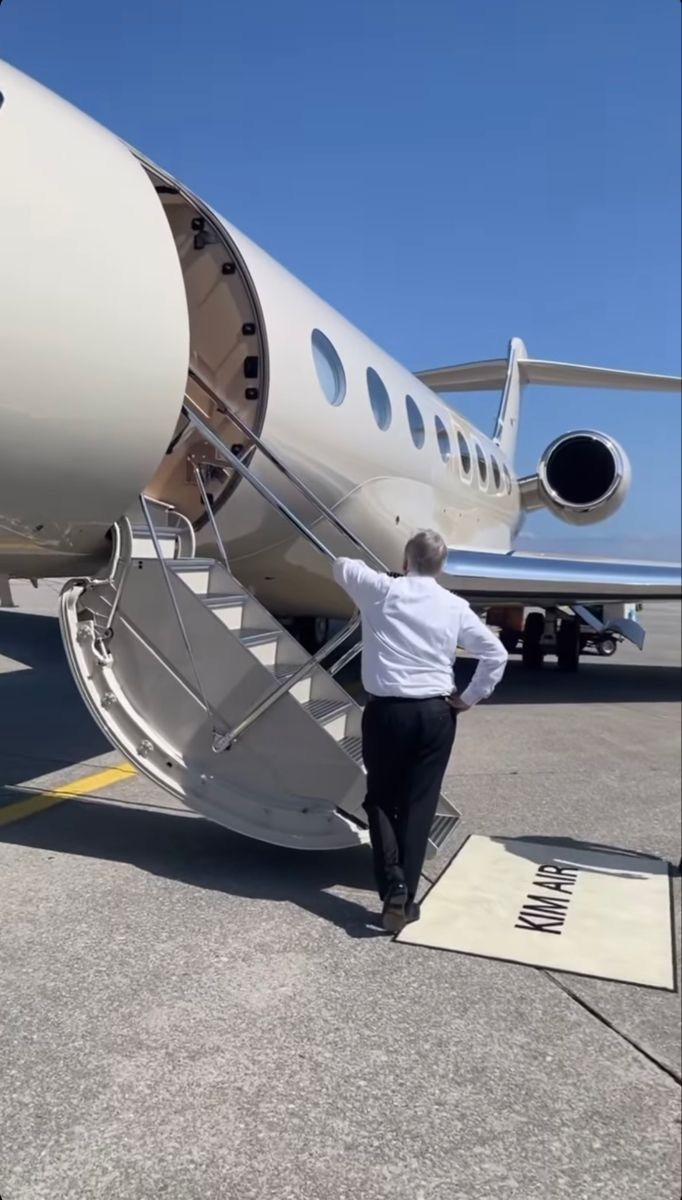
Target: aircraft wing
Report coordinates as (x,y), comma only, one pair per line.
(543,579)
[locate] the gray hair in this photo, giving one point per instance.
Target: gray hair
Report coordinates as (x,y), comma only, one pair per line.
(425,553)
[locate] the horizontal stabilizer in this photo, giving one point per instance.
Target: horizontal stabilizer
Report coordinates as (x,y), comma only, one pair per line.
(545,579)
(491,374)
(535,370)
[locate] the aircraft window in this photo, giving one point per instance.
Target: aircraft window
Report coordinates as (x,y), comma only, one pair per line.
(379,399)
(464,453)
(482,465)
(330,372)
(416,422)
(507,481)
(443,439)
(496,474)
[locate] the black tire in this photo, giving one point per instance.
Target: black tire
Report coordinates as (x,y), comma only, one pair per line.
(568,646)
(509,639)
(607,646)
(533,654)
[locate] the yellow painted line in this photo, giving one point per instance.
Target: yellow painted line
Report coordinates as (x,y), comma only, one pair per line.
(78,787)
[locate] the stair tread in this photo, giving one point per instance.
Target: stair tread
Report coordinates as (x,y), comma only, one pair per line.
(353,747)
(193,564)
(283,671)
(141,531)
(257,637)
(326,710)
(231,600)
(442,826)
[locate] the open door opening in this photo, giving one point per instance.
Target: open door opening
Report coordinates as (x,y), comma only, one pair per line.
(227,350)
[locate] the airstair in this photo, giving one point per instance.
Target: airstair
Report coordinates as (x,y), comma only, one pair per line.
(202,690)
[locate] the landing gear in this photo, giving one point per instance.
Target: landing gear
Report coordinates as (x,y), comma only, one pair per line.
(533,652)
(607,646)
(509,639)
(568,645)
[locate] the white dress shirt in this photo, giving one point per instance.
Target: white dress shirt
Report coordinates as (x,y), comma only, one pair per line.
(411,628)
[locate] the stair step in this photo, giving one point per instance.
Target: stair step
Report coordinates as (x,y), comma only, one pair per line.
(331,715)
(301,689)
(441,828)
(164,534)
(353,747)
(229,609)
(193,564)
(195,572)
(143,544)
(258,637)
(228,600)
(262,643)
(326,710)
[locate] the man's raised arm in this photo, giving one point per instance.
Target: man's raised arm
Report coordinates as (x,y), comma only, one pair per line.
(362,583)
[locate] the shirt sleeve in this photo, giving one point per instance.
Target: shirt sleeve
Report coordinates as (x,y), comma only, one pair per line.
(362,583)
(478,639)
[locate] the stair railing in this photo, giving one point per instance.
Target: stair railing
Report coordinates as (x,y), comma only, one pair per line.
(194,414)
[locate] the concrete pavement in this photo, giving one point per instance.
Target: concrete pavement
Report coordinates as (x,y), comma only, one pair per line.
(186,1013)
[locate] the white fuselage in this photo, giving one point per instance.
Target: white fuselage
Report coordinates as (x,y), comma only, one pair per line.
(96,343)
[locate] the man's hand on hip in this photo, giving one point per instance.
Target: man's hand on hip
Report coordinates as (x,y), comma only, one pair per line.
(455,701)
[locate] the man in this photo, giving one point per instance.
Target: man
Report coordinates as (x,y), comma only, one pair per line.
(411,628)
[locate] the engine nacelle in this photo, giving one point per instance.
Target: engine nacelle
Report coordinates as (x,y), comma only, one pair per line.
(582,477)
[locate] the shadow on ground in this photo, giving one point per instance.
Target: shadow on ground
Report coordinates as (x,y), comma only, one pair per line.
(195,852)
(44,724)
(551,849)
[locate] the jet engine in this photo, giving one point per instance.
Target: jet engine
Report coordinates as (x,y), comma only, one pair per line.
(582,477)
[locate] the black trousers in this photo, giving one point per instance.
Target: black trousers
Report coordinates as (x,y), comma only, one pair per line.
(406,747)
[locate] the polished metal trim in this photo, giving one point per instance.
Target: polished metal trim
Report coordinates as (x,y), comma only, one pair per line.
(276,462)
(145,504)
(592,435)
(223,741)
(487,574)
(211,516)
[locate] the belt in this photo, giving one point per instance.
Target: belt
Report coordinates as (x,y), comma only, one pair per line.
(405,699)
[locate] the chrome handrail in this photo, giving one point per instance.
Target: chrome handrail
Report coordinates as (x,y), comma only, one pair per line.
(192,540)
(211,516)
(145,502)
(198,419)
(345,659)
(118,588)
(281,466)
(224,741)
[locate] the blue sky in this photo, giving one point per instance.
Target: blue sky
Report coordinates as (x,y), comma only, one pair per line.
(446,173)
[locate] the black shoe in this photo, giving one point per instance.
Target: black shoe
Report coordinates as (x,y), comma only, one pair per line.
(413,912)
(393,916)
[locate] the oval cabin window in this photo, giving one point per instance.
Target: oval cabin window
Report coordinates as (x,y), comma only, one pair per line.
(464,453)
(443,439)
(415,422)
(329,368)
(379,399)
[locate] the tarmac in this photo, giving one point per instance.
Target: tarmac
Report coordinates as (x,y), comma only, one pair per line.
(189,1014)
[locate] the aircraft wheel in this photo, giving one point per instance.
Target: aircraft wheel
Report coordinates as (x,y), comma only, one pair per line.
(509,639)
(607,647)
(568,646)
